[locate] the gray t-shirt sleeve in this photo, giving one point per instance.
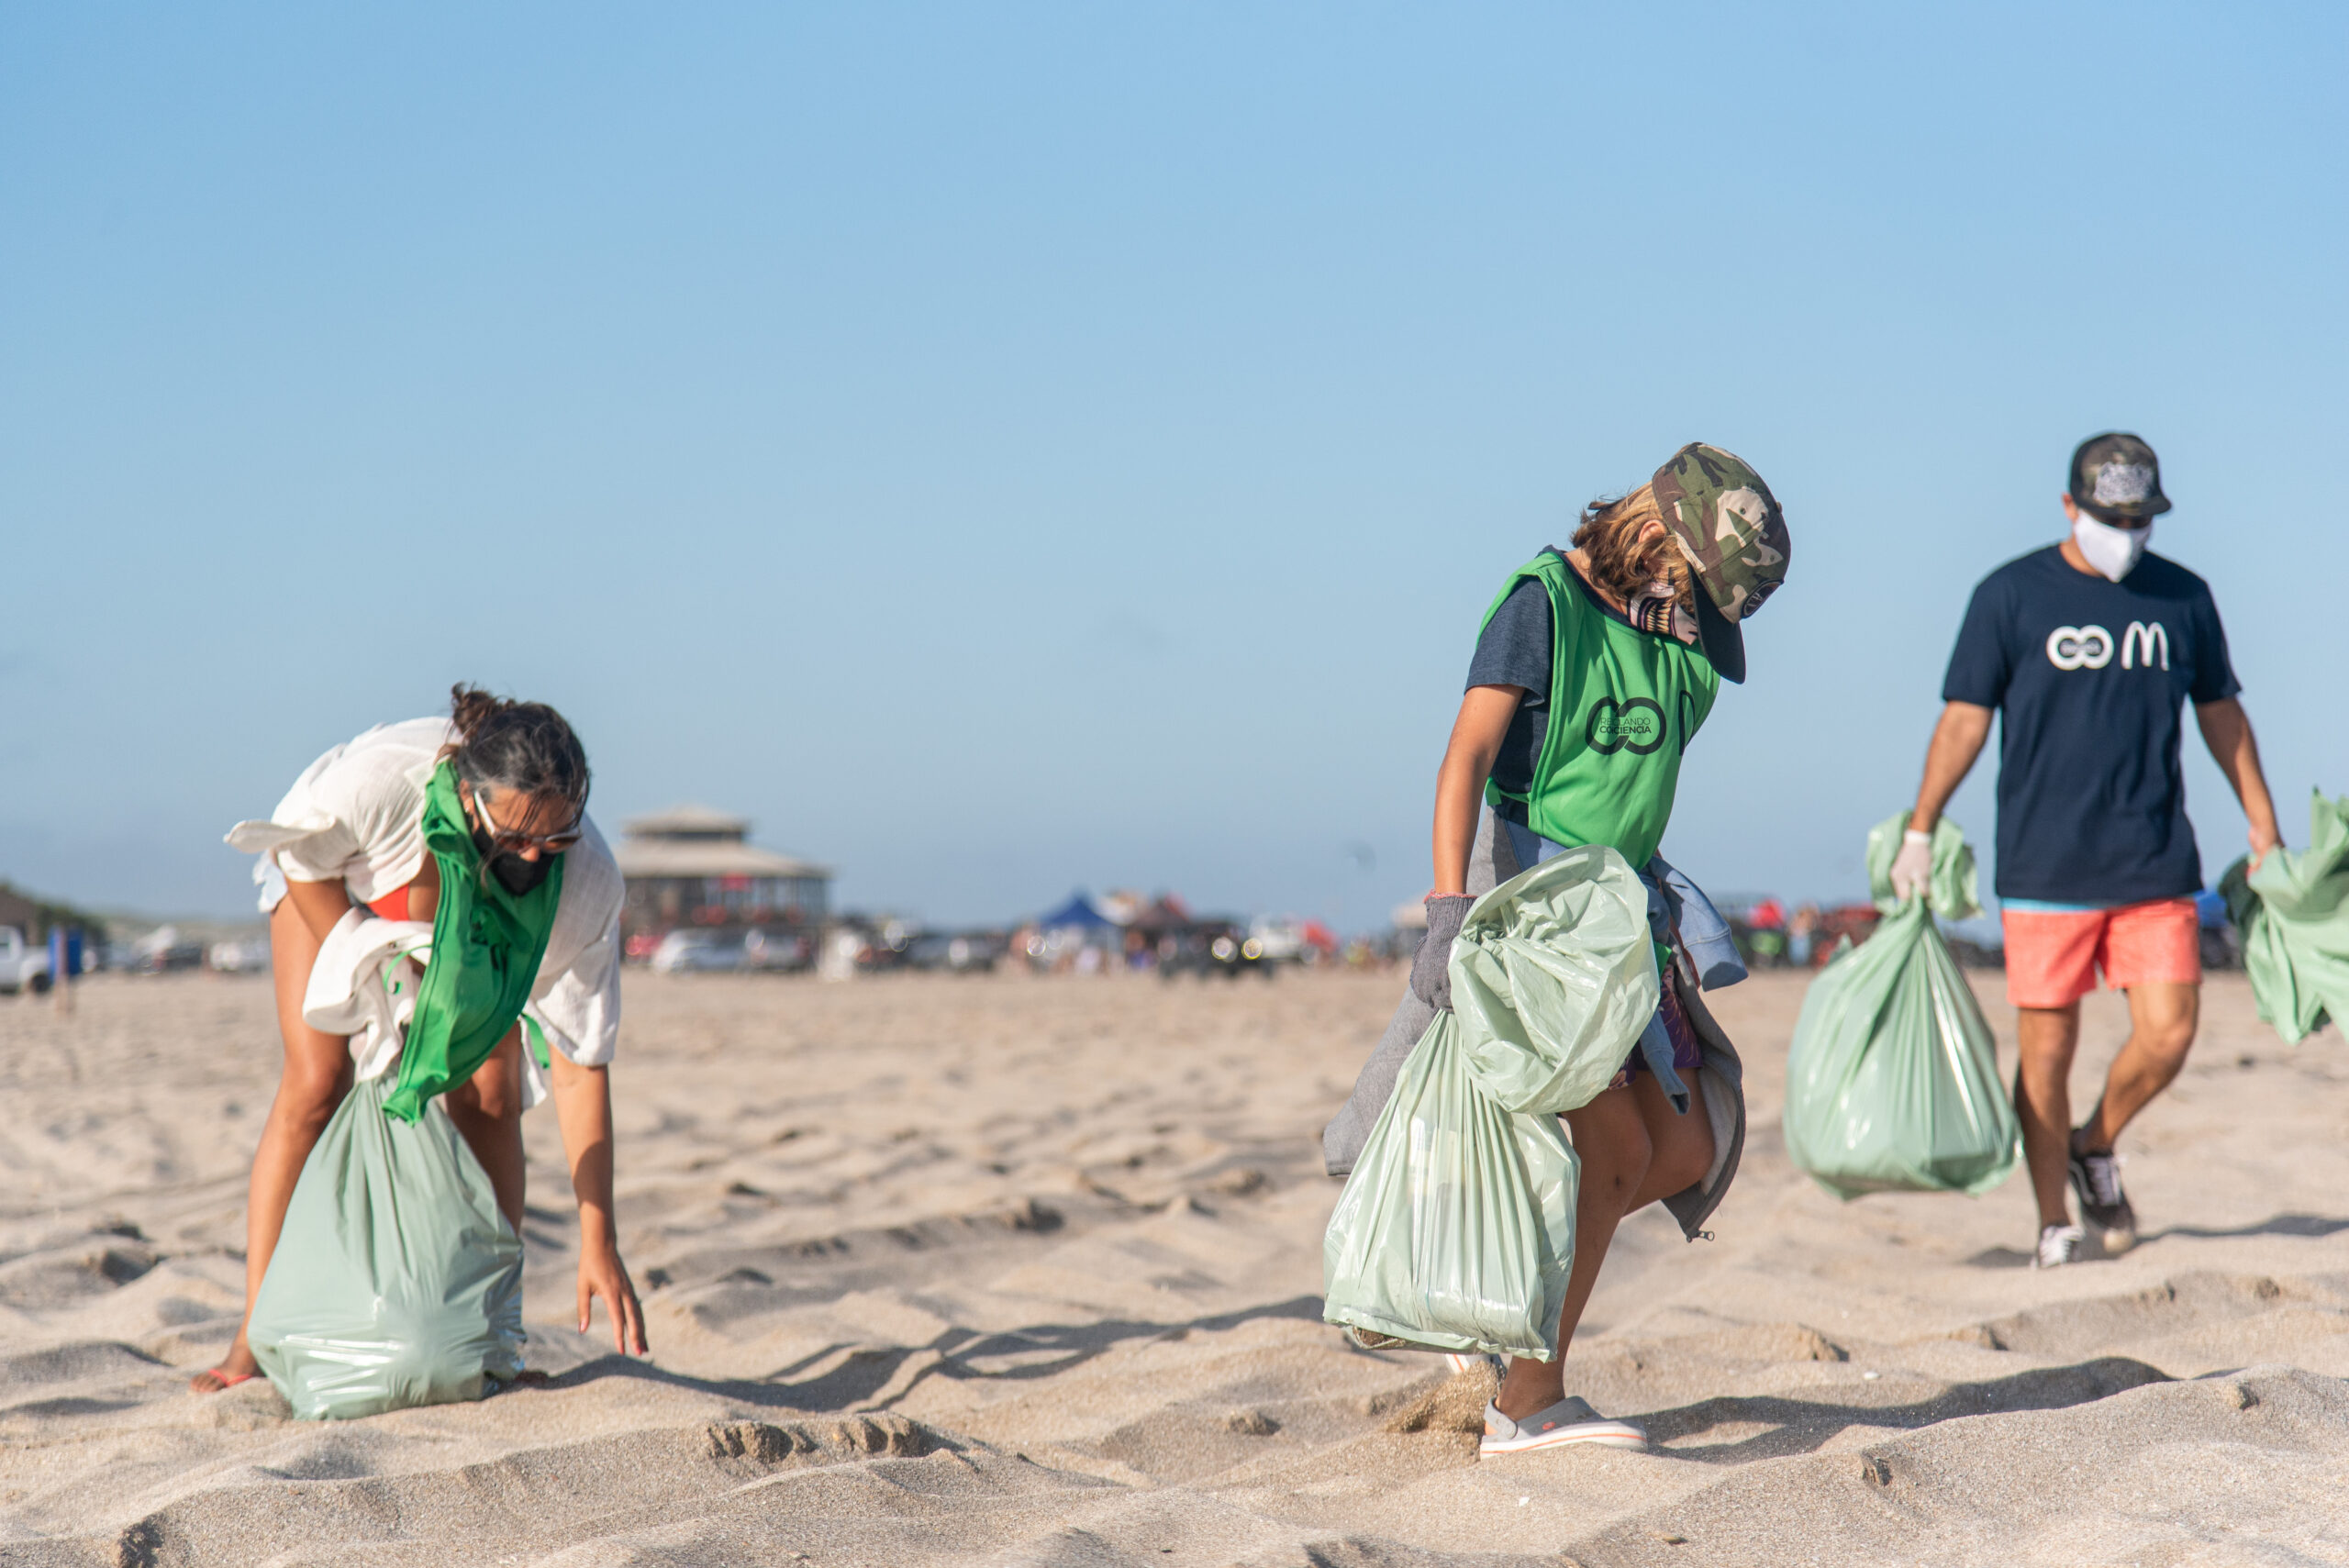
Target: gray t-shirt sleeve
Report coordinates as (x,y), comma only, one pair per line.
(1514,649)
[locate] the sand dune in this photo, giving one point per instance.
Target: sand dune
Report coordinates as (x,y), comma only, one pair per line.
(1010,1270)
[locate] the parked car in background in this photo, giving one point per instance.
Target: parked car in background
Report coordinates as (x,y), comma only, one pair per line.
(166,949)
(1286,938)
(23,967)
(957,952)
(177,958)
(1212,947)
(781,952)
(249,956)
(683,952)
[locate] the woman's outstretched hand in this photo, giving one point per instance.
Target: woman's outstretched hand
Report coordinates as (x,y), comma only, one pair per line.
(601,1273)
(583,1106)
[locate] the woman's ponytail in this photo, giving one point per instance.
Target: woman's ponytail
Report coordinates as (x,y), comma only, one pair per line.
(468,707)
(524,746)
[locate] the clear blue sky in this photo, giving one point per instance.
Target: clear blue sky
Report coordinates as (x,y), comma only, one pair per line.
(1001,448)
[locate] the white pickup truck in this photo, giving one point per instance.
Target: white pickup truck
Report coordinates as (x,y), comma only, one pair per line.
(22,967)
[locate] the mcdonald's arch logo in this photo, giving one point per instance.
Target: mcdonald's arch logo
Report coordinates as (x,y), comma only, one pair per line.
(2138,643)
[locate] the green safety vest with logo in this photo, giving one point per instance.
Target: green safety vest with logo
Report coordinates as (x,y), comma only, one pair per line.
(1623,706)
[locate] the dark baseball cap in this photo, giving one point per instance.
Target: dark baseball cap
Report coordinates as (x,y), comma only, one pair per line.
(2117,475)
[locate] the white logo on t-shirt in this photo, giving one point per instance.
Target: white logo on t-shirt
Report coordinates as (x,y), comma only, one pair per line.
(2090,646)
(2138,642)
(2079,647)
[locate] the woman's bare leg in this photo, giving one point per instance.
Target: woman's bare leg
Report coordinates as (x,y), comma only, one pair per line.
(1611,1139)
(316,1077)
(1681,1145)
(1634,1148)
(487,1109)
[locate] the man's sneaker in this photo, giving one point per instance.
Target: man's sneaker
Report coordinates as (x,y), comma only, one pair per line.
(1570,1420)
(2060,1244)
(2095,1179)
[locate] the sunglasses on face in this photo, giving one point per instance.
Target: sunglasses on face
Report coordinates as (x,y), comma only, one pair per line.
(506,841)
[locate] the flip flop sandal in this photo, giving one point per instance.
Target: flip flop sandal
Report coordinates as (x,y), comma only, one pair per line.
(226,1380)
(1570,1420)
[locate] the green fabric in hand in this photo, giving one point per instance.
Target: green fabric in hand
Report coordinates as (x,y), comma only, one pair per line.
(1956,892)
(2292,914)
(486,947)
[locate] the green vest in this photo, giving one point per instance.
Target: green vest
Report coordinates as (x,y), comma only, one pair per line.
(1622,707)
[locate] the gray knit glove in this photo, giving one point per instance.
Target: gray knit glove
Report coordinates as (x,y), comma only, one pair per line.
(1432,970)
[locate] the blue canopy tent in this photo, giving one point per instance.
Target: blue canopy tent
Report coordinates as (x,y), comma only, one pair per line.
(1078,912)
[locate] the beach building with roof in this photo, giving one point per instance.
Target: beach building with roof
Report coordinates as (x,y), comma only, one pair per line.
(691,866)
(21,912)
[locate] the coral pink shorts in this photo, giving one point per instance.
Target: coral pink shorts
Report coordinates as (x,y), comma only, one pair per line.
(2052,956)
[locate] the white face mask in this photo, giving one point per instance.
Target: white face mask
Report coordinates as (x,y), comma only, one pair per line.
(2112,551)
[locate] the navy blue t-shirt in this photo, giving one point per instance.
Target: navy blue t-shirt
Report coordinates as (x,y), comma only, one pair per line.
(2090,679)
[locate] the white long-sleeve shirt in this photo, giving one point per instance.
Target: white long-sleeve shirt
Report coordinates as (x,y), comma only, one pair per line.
(356,815)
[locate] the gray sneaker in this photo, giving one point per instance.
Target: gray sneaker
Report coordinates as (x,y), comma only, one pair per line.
(1570,1420)
(2096,1181)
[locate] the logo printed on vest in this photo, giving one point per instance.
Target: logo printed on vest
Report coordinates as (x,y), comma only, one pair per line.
(2079,647)
(1636,727)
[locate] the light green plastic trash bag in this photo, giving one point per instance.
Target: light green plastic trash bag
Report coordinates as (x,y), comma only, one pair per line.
(1553,977)
(1892,1080)
(2292,915)
(1456,1229)
(395,1281)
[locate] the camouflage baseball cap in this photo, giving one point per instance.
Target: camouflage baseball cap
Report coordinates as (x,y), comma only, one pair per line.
(2115,475)
(1729,526)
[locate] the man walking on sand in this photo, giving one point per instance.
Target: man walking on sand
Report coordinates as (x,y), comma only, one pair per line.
(2089,651)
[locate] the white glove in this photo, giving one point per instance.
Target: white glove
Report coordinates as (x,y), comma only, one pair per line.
(1912,868)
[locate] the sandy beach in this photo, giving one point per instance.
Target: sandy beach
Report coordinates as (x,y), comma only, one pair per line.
(1014,1271)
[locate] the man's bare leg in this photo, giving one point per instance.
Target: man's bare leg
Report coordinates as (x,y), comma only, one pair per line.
(2046,1038)
(2163,1018)
(316,1077)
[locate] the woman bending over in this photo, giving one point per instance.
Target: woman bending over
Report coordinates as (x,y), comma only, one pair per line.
(499,790)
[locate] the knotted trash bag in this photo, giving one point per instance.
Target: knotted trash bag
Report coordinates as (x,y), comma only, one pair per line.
(1455,1230)
(1892,1080)
(1553,976)
(1954,890)
(395,1281)
(2292,917)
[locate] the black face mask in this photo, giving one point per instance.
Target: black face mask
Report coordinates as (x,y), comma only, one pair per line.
(514,874)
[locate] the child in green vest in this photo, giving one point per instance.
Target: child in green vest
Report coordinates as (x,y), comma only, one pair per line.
(1593,669)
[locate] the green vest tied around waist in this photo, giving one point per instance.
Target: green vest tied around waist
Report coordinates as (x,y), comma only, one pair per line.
(1623,704)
